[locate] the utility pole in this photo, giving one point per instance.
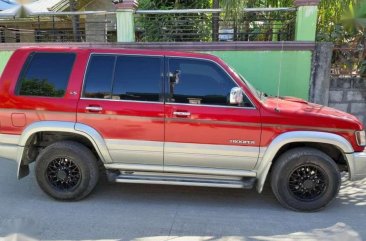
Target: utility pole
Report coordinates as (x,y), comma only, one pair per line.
(75,22)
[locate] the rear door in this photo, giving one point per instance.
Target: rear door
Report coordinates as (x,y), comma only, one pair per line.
(122,100)
(202,129)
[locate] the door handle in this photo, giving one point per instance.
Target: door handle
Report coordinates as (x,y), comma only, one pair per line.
(94,108)
(182,113)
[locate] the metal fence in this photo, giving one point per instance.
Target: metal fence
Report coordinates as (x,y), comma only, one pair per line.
(60,27)
(204,25)
(254,24)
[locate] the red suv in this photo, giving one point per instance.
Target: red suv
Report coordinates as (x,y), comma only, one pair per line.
(163,117)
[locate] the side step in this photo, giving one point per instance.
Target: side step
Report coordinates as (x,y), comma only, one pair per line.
(246,183)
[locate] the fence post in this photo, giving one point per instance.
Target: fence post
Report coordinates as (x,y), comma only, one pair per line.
(306,19)
(125,20)
(320,74)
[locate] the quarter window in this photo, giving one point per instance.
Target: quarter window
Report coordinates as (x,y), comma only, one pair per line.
(46,74)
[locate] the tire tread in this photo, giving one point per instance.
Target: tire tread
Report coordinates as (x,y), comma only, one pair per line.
(284,163)
(72,148)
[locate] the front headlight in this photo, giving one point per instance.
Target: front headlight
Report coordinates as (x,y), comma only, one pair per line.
(361,138)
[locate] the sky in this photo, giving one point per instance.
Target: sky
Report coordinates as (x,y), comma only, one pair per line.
(6,4)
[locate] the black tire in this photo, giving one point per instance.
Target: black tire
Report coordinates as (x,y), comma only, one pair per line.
(305,179)
(67,170)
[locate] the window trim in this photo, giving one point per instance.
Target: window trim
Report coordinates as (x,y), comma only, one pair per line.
(116,55)
(164,79)
(26,67)
(137,101)
(215,63)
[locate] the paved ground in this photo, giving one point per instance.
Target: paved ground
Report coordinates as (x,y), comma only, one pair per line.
(144,212)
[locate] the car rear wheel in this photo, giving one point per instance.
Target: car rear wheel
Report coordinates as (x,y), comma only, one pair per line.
(67,170)
(305,179)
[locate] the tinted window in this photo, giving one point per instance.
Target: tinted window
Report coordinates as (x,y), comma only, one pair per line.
(46,74)
(137,78)
(198,82)
(99,77)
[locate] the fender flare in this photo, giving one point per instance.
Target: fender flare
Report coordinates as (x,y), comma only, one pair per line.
(297,136)
(62,126)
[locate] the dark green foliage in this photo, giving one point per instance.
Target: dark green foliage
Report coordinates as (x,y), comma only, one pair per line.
(173,4)
(36,87)
(343,22)
(204,26)
(259,26)
(173,27)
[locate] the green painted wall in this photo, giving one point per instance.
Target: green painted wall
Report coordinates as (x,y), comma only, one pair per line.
(4,56)
(262,69)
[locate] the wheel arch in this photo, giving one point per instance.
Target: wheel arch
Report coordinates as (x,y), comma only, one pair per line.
(76,129)
(313,137)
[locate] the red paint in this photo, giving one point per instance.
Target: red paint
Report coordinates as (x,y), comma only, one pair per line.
(124,119)
(149,121)
(211,125)
(294,115)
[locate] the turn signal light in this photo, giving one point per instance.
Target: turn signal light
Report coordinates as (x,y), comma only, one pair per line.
(361,138)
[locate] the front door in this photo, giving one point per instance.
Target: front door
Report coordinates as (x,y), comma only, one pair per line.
(122,100)
(202,129)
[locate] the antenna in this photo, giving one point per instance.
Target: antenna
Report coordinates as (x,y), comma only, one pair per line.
(279,79)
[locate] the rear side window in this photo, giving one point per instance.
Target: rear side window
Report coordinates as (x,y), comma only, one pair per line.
(138,78)
(46,74)
(99,77)
(123,77)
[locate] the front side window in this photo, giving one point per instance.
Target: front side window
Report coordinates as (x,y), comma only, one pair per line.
(46,74)
(198,82)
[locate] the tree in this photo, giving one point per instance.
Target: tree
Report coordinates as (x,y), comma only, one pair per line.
(329,27)
(354,24)
(37,87)
(173,27)
(343,22)
(246,23)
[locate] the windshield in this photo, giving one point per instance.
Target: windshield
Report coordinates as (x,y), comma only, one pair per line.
(260,95)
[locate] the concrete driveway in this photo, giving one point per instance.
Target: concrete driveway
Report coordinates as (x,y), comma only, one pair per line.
(145,212)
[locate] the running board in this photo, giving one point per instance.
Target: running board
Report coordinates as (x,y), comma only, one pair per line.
(246,183)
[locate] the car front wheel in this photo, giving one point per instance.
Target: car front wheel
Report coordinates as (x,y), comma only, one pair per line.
(305,179)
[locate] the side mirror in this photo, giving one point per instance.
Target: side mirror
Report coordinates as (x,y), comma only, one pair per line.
(236,96)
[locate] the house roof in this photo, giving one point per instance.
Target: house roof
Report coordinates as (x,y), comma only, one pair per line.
(13,9)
